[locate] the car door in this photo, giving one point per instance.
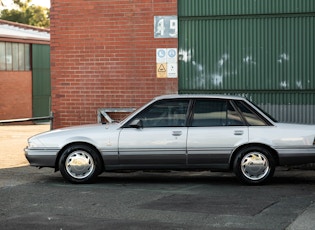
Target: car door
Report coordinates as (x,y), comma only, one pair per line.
(216,129)
(156,137)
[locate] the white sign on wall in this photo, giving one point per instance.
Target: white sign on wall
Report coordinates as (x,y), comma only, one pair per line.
(166,63)
(165,27)
(172,70)
(160,55)
(171,55)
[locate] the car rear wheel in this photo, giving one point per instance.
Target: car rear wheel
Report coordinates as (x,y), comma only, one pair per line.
(80,164)
(254,165)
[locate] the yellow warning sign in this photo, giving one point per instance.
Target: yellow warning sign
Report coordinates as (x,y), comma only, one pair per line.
(161,70)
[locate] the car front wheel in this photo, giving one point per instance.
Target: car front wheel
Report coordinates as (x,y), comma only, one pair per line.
(254,165)
(80,164)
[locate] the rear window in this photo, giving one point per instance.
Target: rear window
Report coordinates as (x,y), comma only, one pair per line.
(250,116)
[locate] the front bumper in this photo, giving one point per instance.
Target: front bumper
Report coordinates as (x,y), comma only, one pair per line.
(41,157)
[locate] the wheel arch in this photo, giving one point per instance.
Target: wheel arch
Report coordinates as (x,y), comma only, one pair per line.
(272,151)
(61,151)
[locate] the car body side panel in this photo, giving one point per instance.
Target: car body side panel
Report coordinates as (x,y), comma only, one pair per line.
(153,146)
(214,145)
(175,147)
(283,136)
(102,137)
(293,143)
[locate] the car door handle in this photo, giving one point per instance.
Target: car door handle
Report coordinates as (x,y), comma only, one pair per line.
(177,133)
(238,132)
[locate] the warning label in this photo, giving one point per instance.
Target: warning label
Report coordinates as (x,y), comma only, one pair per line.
(161,70)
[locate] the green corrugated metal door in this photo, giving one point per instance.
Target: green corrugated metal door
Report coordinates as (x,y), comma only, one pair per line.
(260,49)
(41,80)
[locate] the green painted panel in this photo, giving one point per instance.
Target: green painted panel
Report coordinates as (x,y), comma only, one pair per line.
(261,49)
(41,80)
(235,8)
(247,54)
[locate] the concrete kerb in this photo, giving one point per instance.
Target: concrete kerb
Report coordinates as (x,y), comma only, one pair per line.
(305,221)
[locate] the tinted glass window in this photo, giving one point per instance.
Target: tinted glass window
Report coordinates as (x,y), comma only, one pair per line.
(165,113)
(211,112)
(233,117)
(251,117)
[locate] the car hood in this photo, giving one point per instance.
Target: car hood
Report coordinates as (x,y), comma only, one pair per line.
(94,134)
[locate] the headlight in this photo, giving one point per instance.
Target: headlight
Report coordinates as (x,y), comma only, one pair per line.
(34,143)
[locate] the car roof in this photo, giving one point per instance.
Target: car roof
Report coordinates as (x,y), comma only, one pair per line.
(189,96)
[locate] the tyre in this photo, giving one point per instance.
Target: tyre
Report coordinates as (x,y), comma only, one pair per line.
(80,164)
(254,165)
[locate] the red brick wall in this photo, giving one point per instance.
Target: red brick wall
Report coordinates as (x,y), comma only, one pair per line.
(103,55)
(15,95)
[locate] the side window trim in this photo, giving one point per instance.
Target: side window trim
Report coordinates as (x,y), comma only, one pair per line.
(190,114)
(239,112)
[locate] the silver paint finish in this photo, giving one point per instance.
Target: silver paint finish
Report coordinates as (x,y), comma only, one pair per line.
(172,147)
(41,157)
(155,146)
(214,145)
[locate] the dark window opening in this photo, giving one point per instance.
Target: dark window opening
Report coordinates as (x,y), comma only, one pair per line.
(250,116)
(213,112)
(164,113)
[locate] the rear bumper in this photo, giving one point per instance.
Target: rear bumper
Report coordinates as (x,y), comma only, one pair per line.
(296,156)
(41,157)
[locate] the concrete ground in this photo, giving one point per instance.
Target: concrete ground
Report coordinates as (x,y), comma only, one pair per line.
(13,140)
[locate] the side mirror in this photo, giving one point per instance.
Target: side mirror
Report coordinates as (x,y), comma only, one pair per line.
(137,123)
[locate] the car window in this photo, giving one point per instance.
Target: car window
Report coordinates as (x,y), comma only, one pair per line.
(264,112)
(251,117)
(164,113)
(213,112)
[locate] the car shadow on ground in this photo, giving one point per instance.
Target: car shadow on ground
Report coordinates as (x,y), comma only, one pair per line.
(282,178)
(168,177)
(146,178)
(46,175)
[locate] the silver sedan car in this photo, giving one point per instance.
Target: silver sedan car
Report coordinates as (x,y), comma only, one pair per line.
(178,132)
